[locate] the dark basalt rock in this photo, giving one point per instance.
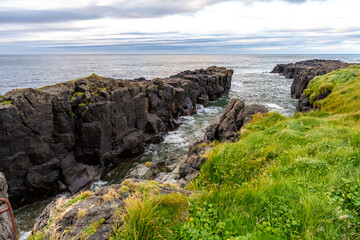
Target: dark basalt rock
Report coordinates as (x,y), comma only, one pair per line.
(67,135)
(6,230)
(303,72)
(235,116)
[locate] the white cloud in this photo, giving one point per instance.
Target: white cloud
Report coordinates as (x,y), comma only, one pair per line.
(261,26)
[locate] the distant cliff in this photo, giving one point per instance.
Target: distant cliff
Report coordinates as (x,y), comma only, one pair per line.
(303,72)
(65,136)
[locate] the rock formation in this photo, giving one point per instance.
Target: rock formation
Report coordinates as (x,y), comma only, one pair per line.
(303,72)
(6,230)
(235,116)
(65,136)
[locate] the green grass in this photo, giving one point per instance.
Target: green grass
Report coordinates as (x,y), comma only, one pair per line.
(345,87)
(148,214)
(287,177)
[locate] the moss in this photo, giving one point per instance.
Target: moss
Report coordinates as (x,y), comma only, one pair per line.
(75,94)
(91,230)
(8,102)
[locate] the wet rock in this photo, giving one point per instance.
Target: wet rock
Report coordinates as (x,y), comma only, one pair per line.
(6,230)
(141,171)
(71,134)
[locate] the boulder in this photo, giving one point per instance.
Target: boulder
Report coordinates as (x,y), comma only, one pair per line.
(141,171)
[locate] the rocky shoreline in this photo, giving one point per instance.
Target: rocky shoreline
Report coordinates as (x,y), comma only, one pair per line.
(63,137)
(102,205)
(302,73)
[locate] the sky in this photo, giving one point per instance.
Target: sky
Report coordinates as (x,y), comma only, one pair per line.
(180,26)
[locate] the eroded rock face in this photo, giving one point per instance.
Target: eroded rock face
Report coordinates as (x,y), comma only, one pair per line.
(303,72)
(6,230)
(235,116)
(65,136)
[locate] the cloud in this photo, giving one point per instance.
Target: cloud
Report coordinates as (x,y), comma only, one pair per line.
(12,14)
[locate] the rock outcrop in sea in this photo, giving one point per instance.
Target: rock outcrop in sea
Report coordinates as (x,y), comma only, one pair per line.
(65,136)
(302,73)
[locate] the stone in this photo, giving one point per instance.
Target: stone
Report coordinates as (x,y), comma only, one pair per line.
(73,133)
(302,73)
(235,116)
(141,171)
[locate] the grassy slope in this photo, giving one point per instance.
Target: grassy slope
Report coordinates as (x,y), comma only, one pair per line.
(286,178)
(289,178)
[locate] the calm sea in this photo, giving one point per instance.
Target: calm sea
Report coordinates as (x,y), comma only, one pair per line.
(251,82)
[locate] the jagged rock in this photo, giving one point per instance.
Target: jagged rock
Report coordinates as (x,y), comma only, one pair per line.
(303,72)
(235,116)
(75,132)
(6,230)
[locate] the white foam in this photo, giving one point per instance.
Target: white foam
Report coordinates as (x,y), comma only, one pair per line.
(274,106)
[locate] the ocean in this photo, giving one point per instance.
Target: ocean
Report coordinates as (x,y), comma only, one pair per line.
(251,82)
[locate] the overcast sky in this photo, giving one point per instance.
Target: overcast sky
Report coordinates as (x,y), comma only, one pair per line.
(180,26)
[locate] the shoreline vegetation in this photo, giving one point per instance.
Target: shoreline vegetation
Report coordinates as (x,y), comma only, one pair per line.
(280,177)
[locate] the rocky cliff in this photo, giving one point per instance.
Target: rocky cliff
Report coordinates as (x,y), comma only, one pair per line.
(6,230)
(303,72)
(65,136)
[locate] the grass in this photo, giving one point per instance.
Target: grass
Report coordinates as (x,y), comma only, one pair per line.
(148,214)
(50,231)
(345,87)
(287,177)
